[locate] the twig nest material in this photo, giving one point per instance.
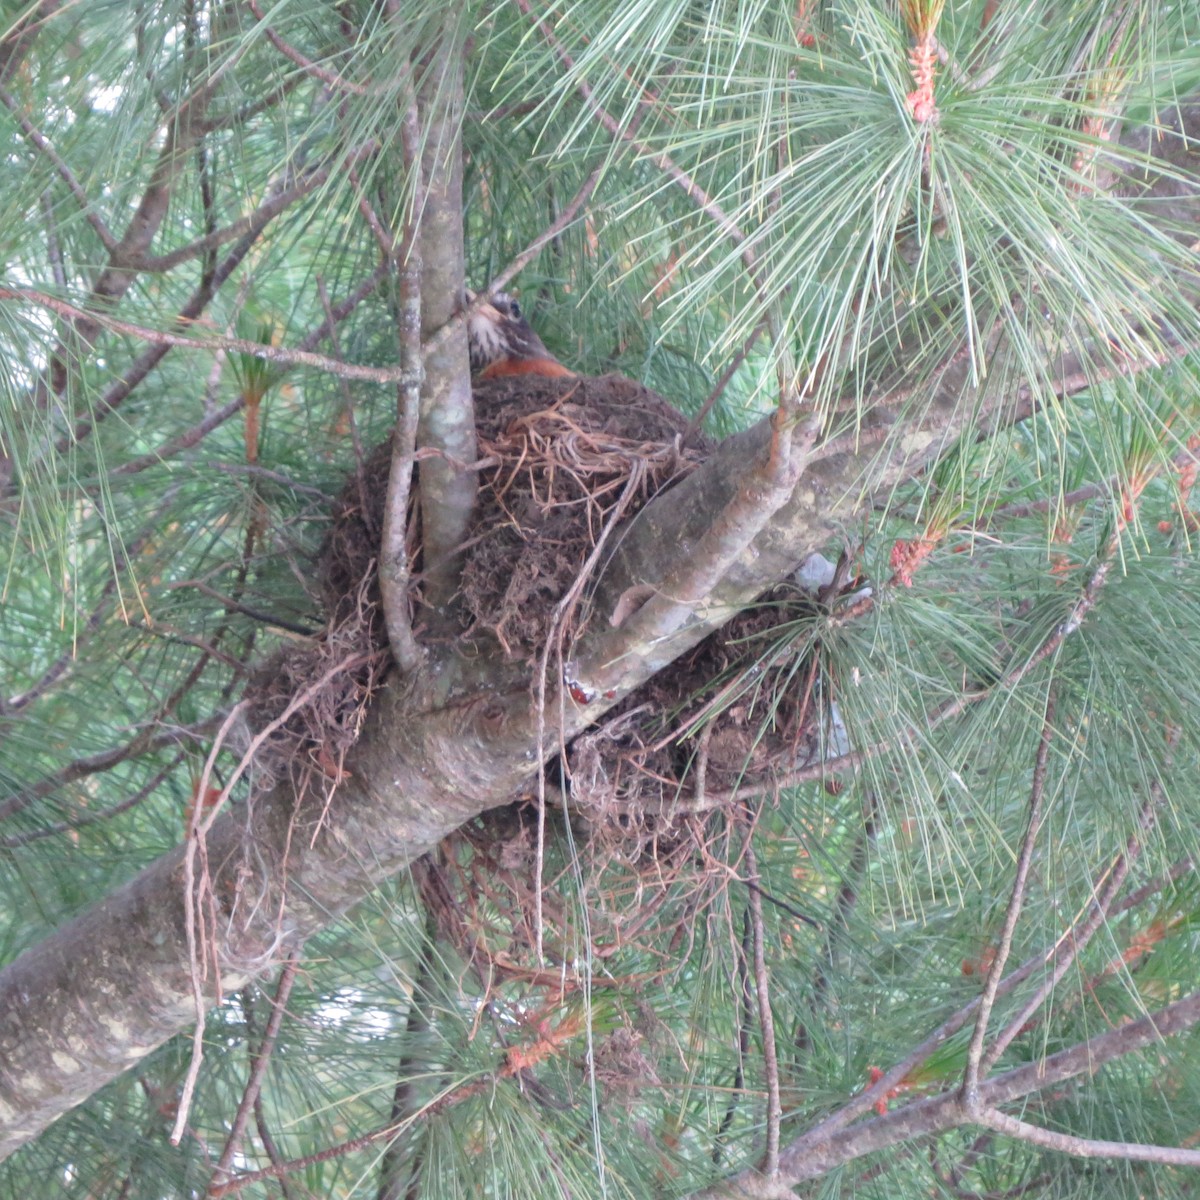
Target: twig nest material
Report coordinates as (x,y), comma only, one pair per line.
(558,457)
(743,709)
(570,455)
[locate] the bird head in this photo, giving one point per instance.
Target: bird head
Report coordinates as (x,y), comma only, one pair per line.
(502,342)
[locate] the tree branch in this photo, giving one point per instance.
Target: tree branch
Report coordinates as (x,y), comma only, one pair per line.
(970,1085)
(803,1159)
(1065,1143)
(73,185)
(447,421)
(766,1020)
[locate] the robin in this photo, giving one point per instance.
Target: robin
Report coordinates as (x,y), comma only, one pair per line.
(503,343)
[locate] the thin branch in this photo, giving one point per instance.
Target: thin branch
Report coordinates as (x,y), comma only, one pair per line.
(240,116)
(58,270)
(718,390)
(745,1000)
(20,37)
(259,218)
(404,256)
(145,742)
(330,78)
(260,1058)
(1073,942)
(856,1106)
(970,1085)
(1065,1143)
(117,277)
(439,338)
(766,1019)
(86,206)
(279,355)
(818,1152)
(230,605)
(199,431)
(72,824)
(185,441)
(254,471)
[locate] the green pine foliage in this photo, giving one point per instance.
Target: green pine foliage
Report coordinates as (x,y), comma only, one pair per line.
(1010,237)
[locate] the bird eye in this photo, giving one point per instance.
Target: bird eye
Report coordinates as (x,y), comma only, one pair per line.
(516,308)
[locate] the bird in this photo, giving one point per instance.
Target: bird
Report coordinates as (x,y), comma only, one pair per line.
(503,343)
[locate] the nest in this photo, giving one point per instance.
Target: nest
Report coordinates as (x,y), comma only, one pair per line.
(562,462)
(565,456)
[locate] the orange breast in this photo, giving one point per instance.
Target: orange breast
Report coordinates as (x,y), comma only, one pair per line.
(549,367)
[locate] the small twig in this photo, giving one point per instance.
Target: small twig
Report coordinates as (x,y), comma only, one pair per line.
(259,1060)
(73,185)
(696,423)
(257,472)
(970,1085)
(236,606)
(1072,943)
(770,1165)
(198,936)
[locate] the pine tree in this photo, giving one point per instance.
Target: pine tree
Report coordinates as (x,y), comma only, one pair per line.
(825,825)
